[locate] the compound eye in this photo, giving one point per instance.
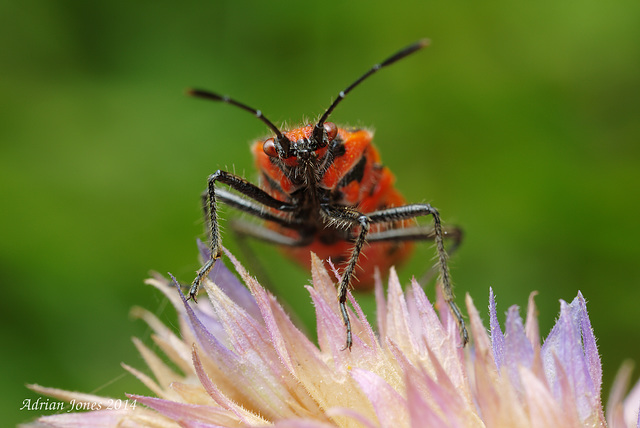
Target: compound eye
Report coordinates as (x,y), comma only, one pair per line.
(331,129)
(269,148)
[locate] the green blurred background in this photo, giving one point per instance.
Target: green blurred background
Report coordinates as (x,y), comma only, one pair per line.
(521,123)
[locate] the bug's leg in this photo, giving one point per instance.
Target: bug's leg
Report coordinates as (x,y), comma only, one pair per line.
(453,233)
(420,233)
(243,229)
(256,231)
(456,234)
(416,210)
(255,209)
(244,187)
(209,207)
(349,217)
(363,221)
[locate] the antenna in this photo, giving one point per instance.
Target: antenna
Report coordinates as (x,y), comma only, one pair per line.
(281,138)
(319,128)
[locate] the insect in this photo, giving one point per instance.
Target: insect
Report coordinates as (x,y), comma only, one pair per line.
(323,189)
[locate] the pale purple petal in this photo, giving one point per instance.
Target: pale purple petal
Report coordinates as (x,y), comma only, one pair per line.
(389,405)
(615,407)
(99,418)
(198,424)
(565,392)
(381,305)
(448,397)
(552,346)
(592,356)
(432,336)
(219,398)
(425,321)
(485,393)
(531,326)
(259,384)
(245,334)
(360,324)
(330,328)
(624,412)
(302,423)
(398,322)
(434,388)
(448,321)
(271,382)
(562,353)
(282,331)
(331,331)
(295,346)
(229,283)
(518,350)
(544,410)
(352,414)
(497,338)
(420,413)
(631,406)
(299,361)
(210,344)
(172,345)
(481,340)
(190,412)
(203,310)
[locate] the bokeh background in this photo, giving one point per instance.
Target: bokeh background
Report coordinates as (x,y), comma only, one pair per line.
(521,123)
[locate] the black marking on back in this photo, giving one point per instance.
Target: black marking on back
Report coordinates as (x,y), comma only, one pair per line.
(356,173)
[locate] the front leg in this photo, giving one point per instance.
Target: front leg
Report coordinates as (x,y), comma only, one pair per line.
(348,217)
(247,189)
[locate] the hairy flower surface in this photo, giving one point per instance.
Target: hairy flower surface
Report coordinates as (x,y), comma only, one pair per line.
(240,362)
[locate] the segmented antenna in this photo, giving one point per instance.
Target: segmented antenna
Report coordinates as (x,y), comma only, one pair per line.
(319,127)
(282,139)
(318,130)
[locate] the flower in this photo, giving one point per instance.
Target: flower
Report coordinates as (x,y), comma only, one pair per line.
(243,362)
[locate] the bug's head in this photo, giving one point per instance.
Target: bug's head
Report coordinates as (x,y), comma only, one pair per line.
(300,143)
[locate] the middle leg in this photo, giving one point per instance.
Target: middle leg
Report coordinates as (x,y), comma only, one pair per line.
(420,233)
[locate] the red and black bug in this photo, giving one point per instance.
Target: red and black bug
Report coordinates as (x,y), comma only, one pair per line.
(324,189)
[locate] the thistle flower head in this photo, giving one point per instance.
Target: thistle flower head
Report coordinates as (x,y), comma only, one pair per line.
(241,361)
